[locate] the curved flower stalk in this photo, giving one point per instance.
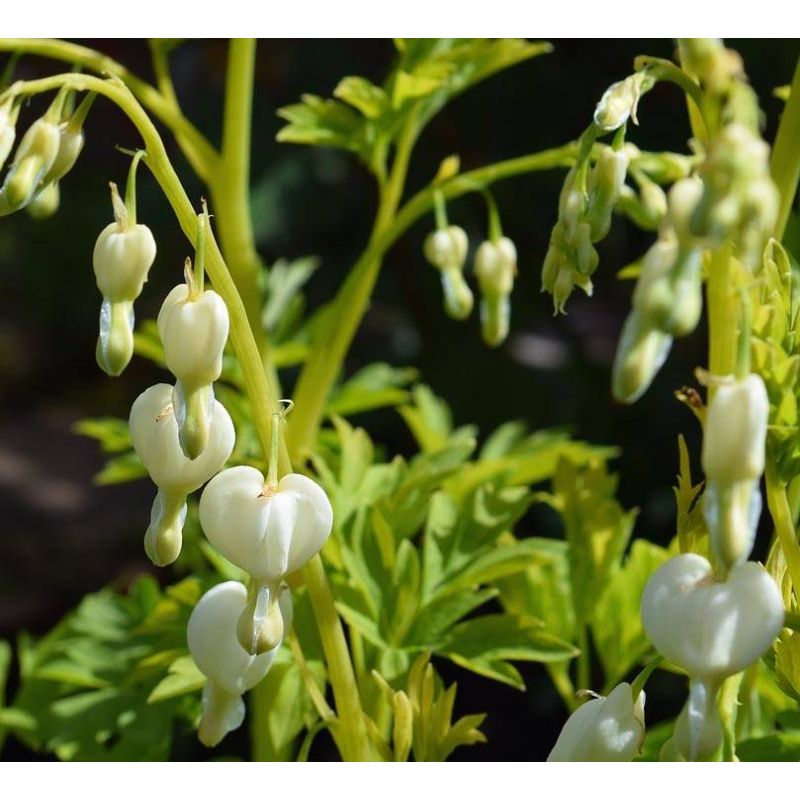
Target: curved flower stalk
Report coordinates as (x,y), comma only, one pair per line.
(193,325)
(712,629)
(230,670)
(123,254)
(269,529)
(154,433)
(603,729)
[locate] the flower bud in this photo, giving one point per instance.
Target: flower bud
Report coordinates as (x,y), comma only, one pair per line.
(154,433)
(268,531)
(734,442)
(606,182)
(668,294)
(115,341)
(711,629)
(495,267)
(193,329)
(46,203)
(641,352)
(604,729)
(123,255)
(211,636)
(446,249)
(620,101)
(683,201)
(735,433)
(70,144)
(33,159)
(8,131)
(713,64)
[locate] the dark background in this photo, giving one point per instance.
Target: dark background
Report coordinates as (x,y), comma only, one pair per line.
(63,537)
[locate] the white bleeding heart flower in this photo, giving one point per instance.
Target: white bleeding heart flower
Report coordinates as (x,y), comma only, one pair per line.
(123,254)
(446,249)
(736,431)
(211,636)
(154,433)
(604,729)
(734,444)
(711,629)
(496,266)
(268,531)
(193,330)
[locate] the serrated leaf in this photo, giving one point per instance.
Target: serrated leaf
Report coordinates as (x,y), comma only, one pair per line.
(435,619)
(369,99)
(183,677)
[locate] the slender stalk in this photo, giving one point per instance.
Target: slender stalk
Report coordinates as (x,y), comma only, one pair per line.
(785,163)
(584,673)
(723,314)
(354,738)
(198,150)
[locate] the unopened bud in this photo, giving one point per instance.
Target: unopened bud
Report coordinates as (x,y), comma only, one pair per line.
(446,249)
(8,130)
(33,159)
(641,352)
(620,101)
(606,181)
(46,203)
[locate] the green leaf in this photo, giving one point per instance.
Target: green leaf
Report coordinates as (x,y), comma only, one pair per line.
(783,746)
(329,123)
(111,432)
(616,623)
(375,386)
(121,469)
(429,419)
(364,95)
(436,618)
(183,677)
(485,643)
(284,282)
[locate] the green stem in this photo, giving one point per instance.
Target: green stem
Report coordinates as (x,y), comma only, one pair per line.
(584,676)
(723,314)
(230,183)
(785,163)
(350,304)
(353,736)
(784,525)
(199,152)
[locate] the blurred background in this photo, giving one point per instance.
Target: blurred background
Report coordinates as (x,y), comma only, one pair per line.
(63,537)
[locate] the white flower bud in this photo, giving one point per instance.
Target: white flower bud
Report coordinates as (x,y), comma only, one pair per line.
(735,433)
(620,101)
(122,255)
(711,629)
(154,433)
(682,202)
(193,330)
(606,182)
(496,266)
(70,144)
(33,159)
(267,531)
(604,729)
(446,249)
(231,671)
(8,131)
(641,352)
(734,444)
(46,203)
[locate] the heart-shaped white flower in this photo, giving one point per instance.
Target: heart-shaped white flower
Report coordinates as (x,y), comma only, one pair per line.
(268,532)
(211,635)
(711,629)
(604,729)
(154,432)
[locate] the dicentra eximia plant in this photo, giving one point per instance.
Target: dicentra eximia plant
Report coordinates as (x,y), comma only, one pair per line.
(321,566)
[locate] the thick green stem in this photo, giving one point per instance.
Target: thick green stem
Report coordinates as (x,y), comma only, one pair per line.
(350,304)
(351,726)
(784,524)
(785,163)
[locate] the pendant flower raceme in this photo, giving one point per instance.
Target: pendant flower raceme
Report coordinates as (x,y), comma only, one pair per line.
(603,729)
(231,671)
(154,433)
